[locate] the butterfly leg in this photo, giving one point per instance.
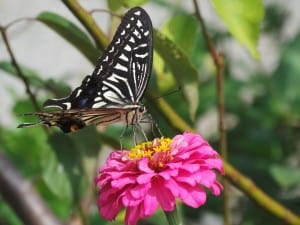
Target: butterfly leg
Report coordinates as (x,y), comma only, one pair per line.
(153,122)
(154,125)
(122,136)
(142,131)
(134,134)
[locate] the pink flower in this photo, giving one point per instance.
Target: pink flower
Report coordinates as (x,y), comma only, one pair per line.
(154,174)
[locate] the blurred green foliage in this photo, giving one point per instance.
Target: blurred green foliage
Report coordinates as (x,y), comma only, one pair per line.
(263,143)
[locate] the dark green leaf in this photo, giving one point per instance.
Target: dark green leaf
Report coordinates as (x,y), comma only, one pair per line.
(55,178)
(114,5)
(285,176)
(181,30)
(70,32)
(58,88)
(69,157)
(31,75)
(133,3)
(180,66)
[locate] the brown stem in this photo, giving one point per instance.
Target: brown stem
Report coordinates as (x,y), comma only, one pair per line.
(219,63)
(18,69)
(88,22)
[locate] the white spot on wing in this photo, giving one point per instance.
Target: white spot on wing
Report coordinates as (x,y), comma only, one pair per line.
(98,105)
(100,69)
(118,66)
(105,59)
(139,23)
(68,105)
(131,40)
(123,32)
(49,106)
(112,49)
(137,13)
(78,93)
(141,55)
(97,99)
(140,46)
(127,48)
(136,33)
(124,57)
(146,33)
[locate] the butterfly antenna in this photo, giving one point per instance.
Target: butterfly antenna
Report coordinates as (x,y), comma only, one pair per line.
(166,94)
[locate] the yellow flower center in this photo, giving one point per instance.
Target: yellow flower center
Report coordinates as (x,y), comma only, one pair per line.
(158,151)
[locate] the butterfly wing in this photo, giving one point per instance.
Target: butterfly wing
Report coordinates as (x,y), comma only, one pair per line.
(73,120)
(122,73)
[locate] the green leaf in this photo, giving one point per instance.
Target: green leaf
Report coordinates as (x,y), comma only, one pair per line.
(55,178)
(285,176)
(182,31)
(70,32)
(69,157)
(180,66)
(115,5)
(243,19)
(133,3)
(30,74)
(58,88)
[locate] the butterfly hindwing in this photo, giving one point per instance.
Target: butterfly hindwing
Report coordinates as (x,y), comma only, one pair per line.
(122,72)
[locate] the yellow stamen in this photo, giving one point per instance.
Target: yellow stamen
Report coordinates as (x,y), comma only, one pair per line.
(149,148)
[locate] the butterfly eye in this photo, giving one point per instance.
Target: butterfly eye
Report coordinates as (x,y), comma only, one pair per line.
(142,109)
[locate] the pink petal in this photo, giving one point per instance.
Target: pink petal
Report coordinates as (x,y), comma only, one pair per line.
(165,197)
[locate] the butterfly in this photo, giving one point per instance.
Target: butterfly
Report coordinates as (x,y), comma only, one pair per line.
(114,90)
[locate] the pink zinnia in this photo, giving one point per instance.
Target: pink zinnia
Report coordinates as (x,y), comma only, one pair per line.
(154,174)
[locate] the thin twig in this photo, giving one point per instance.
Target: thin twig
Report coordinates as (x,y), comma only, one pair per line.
(18,69)
(12,23)
(219,63)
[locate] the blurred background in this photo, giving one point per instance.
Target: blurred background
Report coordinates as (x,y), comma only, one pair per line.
(262,101)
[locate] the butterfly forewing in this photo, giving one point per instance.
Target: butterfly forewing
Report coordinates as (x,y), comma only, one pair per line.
(122,72)
(114,90)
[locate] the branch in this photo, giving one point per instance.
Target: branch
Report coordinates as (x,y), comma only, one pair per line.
(20,194)
(219,63)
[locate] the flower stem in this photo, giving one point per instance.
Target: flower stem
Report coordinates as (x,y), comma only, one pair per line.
(219,63)
(173,217)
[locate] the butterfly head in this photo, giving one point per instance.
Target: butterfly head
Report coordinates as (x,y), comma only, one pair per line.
(142,109)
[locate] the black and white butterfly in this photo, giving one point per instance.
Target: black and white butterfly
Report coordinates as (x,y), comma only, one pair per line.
(114,90)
